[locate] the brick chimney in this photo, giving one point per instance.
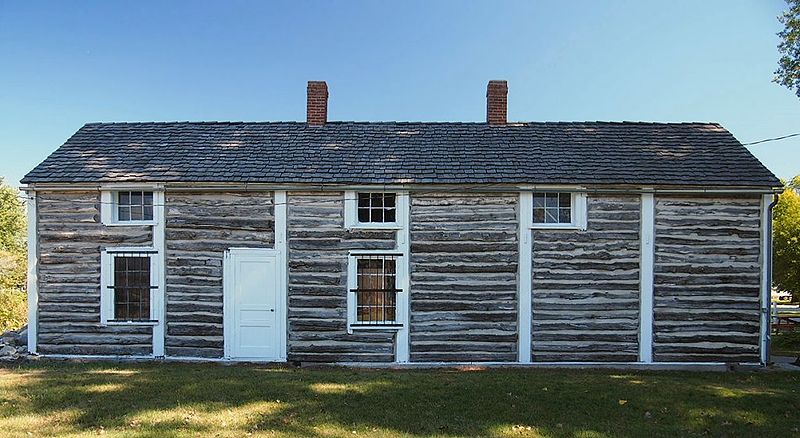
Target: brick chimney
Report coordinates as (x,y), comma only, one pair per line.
(497,103)
(317,103)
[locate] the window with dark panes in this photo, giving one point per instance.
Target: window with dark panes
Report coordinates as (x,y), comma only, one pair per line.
(552,208)
(377,207)
(131,287)
(134,206)
(376,292)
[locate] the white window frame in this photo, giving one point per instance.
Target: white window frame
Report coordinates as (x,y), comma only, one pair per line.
(109,203)
(578,206)
(351,211)
(107,279)
(401,284)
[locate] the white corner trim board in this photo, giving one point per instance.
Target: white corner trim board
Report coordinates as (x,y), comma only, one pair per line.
(33,282)
(766,274)
(646,262)
(403,353)
(524,278)
(281,215)
(160,297)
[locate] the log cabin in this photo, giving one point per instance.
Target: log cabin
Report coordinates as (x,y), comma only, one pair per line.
(402,242)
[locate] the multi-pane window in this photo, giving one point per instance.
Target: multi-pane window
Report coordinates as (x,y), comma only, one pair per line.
(131,287)
(134,206)
(377,207)
(376,289)
(552,208)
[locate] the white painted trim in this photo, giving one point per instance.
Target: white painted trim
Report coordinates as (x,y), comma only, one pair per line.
(525,279)
(403,249)
(159,297)
(599,188)
(227,305)
(108,205)
(107,277)
(282,248)
(766,274)
(33,277)
(646,269)
(578,207)
(403,348)
(352,283)
(351,212)
(228,317)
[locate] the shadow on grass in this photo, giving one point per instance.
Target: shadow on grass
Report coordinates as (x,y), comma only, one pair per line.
(181,399)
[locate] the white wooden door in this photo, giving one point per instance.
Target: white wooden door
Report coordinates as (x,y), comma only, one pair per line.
(252,322)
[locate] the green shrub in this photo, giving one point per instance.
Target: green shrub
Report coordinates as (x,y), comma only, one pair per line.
(13,309)
(786,344)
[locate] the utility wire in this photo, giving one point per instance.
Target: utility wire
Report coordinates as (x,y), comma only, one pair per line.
(771,139)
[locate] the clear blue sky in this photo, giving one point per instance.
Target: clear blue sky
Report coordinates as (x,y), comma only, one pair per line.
(63,64)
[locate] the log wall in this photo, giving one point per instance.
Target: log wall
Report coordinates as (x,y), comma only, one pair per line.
(199,228)
(70,240)
(464,277)
(318,256)
(586,286)
(707,279)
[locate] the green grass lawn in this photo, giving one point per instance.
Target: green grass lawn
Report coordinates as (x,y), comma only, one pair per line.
(206,399)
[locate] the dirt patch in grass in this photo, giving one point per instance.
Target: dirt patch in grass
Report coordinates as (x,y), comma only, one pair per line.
(189,399)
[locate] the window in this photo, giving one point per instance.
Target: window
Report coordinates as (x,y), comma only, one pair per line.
(128,280)
(552,208)
(134,206)
(559,210)
(376,289)
(131,206)
(377,207)
(376,210)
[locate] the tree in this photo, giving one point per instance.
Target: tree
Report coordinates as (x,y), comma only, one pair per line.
(786,240)
(13,227)
(13,259)
(788,72)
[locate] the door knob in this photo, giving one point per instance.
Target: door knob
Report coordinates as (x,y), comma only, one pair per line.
(271,310)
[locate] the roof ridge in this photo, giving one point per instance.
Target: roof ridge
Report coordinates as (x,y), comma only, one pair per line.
(402,122)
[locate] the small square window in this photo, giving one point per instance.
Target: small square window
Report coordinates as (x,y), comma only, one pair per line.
(377,207)
(134,206)
(553,208)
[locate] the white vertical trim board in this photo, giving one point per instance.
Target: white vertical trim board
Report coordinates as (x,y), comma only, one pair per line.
(33,281)
(524,278)
(107,207)
(646,263)
(766,274)
(350,213)
(159,298)
(282,248)
(580,210)
(227,305)
(403,354)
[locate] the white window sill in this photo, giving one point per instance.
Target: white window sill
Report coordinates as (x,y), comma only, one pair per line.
(557,227)
(145,323)
(388,326)
(376,226)
(131,224)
